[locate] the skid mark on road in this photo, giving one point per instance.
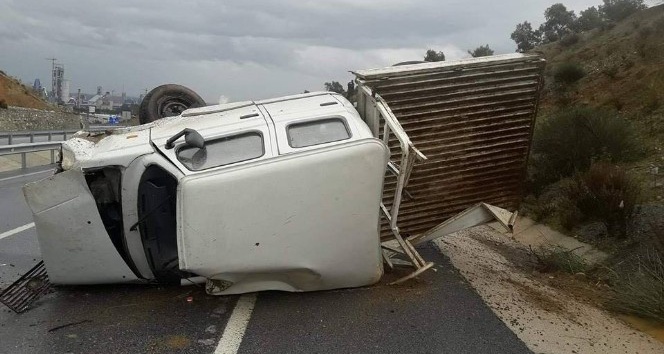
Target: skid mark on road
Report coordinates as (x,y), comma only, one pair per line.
(17,230)
(232,338)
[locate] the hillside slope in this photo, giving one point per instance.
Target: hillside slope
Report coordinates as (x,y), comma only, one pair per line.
(624,65)
(16,94)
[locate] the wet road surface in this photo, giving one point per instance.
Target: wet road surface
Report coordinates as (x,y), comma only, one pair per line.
(437,313)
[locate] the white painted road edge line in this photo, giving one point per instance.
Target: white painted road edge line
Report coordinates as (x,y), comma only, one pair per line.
(25,175)
(232,338)
(17,230)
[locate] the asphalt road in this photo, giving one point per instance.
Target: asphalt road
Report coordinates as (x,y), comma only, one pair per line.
(438,313)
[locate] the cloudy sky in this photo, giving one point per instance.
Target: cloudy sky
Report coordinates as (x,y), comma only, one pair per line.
(244,49)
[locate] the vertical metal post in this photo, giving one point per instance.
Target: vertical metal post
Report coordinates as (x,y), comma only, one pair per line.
(50,137)
(23,161)
(10,139)
(32,137)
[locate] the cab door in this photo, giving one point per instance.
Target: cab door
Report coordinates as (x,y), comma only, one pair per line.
(230,136)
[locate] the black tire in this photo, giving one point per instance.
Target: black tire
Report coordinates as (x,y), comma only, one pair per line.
(166,101)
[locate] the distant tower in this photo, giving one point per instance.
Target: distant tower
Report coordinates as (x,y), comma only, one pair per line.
(64,91)
(99,90)
(57,78)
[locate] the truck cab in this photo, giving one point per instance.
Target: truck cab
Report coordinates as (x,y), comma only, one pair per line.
(284,195)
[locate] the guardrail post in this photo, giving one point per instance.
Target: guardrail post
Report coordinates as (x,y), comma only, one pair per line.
(32,137)
(50,137)
(23,161)
(10,139)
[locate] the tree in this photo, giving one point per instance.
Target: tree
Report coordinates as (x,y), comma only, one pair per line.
(525,38)
(335,86)
(559,22)
(589,18)
(481,51)
(432,55)
(616,10)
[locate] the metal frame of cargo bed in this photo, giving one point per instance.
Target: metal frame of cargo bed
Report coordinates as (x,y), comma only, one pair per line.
(520,77)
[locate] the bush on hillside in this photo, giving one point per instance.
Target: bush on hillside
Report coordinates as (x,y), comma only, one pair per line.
(608,194)
(3,103)
(569,141)
(570,40)
(568,73)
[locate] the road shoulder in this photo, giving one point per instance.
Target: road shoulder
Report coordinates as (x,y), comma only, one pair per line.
(547,319)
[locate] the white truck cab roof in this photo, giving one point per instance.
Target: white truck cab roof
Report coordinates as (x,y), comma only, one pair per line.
(282,125)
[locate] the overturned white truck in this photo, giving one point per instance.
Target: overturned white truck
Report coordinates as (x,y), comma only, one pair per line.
(299,193)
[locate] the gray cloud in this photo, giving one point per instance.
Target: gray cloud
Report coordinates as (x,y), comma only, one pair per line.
(244,49)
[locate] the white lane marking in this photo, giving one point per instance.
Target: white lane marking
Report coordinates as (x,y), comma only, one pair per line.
(17,230)
(25,175)
(237,324)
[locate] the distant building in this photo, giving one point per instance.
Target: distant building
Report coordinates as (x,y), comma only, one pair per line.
(57,81)
(37,85)
(105,101)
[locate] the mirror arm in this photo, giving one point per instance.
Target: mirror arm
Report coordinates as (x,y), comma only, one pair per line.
(171,140)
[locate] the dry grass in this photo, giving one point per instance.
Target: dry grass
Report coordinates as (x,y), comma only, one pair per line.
(641,291)
(16,94)
(558,259)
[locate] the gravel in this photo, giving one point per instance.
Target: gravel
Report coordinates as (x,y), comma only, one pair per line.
(21,119)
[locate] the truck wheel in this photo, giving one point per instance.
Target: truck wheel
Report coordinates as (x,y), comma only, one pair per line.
(166,101)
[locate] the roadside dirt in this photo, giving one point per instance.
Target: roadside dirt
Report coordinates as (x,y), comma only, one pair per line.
(16,94)
(550,312)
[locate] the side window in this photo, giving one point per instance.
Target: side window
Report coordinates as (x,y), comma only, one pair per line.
(223,151)
(317,132)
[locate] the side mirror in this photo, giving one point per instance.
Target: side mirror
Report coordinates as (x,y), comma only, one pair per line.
(191,138)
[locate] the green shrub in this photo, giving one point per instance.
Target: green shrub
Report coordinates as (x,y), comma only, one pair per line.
(606,193)
(554,206)
(570,40)
(569,141)
(568,73)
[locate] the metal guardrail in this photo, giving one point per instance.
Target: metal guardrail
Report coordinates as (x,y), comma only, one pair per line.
(51,145)
(51,134)
(27,148)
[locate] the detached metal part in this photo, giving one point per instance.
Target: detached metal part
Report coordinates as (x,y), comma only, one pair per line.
(75,246)
(27,289)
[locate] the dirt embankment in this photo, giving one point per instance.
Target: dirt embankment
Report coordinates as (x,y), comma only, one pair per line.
(16,94)
(22,119)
